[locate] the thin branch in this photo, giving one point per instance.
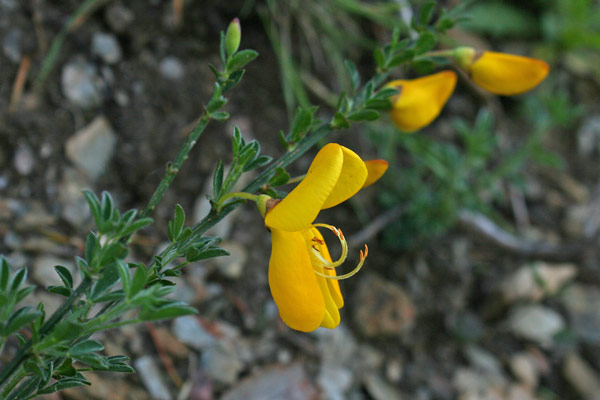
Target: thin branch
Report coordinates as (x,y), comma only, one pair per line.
(490,231)
(376,226)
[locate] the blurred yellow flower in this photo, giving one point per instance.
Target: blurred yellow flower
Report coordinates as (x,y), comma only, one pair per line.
(302,275)
(420,100)
(501,73)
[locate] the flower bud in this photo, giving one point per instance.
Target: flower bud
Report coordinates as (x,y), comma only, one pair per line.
(420,100)
(464,57)
(233,37)
(506,74)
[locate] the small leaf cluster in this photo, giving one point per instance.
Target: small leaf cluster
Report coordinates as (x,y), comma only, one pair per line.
(12,291)
(304,119)
(246,157)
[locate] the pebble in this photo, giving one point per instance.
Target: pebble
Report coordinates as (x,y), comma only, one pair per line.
(222,362)
(588,136)
(118,17)
(524,368)
(43,270)
(24,160)
(536,281)
(535,322)
(189,330)
(231,266)
(74,207)
(379,389)
(151,376)
(81,83)
(92,147)
(383,308)
(171,68)
(583,307)
(11,45)
(106,46)
(275,383)
(581,376)
(334,382)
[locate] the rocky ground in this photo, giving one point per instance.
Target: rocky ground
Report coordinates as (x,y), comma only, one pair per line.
(460,317)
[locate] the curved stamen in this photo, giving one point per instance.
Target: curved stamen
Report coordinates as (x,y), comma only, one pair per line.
(328,264)
(363,256)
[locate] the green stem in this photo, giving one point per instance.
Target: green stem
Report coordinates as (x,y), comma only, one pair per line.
(13,382)
(23,352)
(296,179)
(241,195)
(173,168)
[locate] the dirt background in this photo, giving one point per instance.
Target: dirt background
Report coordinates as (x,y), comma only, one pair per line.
(458,317)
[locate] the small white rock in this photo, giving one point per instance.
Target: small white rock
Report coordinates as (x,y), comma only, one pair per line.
(106,46)
(536,322)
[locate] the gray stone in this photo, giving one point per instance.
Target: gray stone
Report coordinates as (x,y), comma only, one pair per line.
(188,330)
(231,266)
(524,368)
(171,68)
(11,45)
(81,83)
(106,46)
(24,160)
(380,389)
(118,17)
(588,136)
(583,307)
(222,362)
(290,383)
(92,147)
(43,270)
(74,207)
(582,377)
(536,322)
(151,376)
(384,308)
(536,280)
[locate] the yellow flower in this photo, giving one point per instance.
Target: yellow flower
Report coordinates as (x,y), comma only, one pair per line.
(420,100)
(501,73)
(302,274)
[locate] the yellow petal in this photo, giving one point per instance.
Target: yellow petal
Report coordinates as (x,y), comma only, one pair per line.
(376,169)
(300,208)
(351,179)
(330,287)
(293,283)
(507,74)
(421,100)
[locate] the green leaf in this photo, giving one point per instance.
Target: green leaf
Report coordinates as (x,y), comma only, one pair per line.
(107,209)
(91,243)
(424,66)
(302,122)
(258,162)
(23,292)
(220,116)
(85,346)
(240,59)
(136,226)
(115,295)
(402,58)
(281,177)
(63,384)
(60,290)
(129,217)
(425,42)
(425,13)
(32,367)
(354,75)
(110,276)
(379,104)
(379,58)
(168,311)
(124,274)
(216,103)
(113,252)
(218,178)
(386,93)
(65,275)
(94,205)
(18,279)
(340,121)
(4,273)
(84,268)
(234,79)
(19,319)
(176,225)
(139,280)
(363,115)
(209,253)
